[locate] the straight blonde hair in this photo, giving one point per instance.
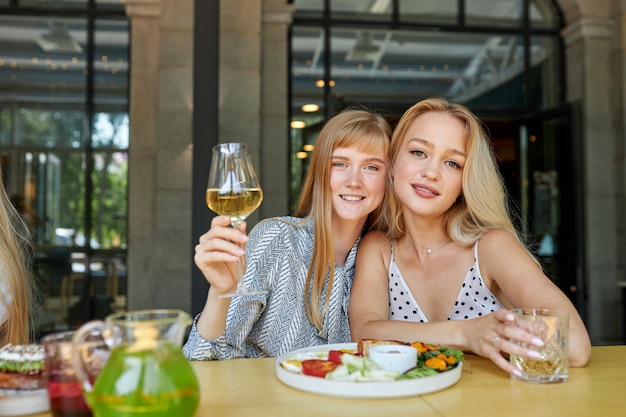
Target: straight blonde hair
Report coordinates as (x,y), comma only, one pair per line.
(15,260)
(368,132)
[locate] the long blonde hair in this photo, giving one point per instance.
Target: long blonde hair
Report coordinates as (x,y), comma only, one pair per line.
(367,131)
(483,204)
(15,261)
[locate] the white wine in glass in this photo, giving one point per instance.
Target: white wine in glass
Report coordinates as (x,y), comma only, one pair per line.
(233,190)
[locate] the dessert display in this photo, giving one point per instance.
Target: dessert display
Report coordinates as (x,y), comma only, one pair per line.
(22,367)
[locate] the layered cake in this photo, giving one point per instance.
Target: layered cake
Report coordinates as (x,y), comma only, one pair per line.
(22,367)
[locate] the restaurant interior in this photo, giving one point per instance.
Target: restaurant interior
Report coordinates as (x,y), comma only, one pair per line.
(108,110)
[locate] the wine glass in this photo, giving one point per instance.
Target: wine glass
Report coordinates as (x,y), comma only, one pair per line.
(234,190)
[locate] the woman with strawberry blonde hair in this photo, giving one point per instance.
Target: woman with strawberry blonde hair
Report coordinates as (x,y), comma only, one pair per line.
(17,288)
(304,263)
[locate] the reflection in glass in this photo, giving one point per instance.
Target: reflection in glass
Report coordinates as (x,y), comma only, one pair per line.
(111,62)
(110,130)
(49,192)
(495,13)
(361,10)
(433,11)
(543,14)
(109,5)
(55,4)
(547,91)
(50,128)
(45,137)
(5,126)
(48,60)
(309,7)
(109,203)
(308,82)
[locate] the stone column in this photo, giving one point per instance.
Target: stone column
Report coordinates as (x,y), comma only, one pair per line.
(277,15)
(160,153)
(145,20)
(240,79)
(589,44)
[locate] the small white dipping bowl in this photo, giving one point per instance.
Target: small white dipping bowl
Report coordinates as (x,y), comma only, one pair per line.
(399,358)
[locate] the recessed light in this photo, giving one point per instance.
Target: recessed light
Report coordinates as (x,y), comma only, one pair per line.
(310,108)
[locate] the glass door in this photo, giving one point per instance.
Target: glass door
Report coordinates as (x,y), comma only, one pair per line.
(540,157)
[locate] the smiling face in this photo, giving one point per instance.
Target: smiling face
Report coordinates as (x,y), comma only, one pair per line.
(357,182)
(428,168)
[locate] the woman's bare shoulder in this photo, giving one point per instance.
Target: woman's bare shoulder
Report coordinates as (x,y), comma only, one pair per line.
(375,237)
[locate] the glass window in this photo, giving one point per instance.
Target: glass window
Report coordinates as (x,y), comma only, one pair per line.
(308,106)
(110,130)
(546,87)
(64,152)
(49,193)
(49,128)
(309,8)
(495,13)
(388,69)
(42,58)
(110,5)
(109,202)
(493,72)
(5,126)
(55,4)
(379,67)
(429,11)
(544,14)
(116,5)
(376,10)
(111,72)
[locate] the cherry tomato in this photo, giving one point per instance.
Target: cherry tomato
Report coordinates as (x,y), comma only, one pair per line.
(335,356)
(318,367)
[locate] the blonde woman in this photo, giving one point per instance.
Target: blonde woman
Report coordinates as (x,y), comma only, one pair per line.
(306,262)
(17,289)
(452,264)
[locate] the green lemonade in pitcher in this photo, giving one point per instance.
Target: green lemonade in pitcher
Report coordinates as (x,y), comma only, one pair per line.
(150,383)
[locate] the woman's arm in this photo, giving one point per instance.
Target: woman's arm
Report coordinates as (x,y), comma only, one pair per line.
(217,253)
(518,280)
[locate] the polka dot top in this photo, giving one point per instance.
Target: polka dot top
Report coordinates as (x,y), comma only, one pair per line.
(474,299)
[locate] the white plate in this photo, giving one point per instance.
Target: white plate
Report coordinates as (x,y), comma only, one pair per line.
(21,402)
(349,389)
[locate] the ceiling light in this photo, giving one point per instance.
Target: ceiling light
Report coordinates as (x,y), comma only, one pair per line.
(58,39)
(308,147)
(309,108)
(297,124)
(302,155)
(364,49)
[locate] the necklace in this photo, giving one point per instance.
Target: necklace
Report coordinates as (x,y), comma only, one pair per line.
(431,249)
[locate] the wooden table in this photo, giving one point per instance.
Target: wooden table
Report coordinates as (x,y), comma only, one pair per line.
(249,387)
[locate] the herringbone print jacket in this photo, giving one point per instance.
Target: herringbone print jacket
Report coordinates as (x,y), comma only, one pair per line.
(278,256)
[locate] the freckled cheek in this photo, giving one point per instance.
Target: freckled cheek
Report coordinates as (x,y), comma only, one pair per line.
(378,186)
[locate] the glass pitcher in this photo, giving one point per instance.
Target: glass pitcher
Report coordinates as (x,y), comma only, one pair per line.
(146,373)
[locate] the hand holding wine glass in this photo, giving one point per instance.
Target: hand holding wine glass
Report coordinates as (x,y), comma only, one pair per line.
(234,190)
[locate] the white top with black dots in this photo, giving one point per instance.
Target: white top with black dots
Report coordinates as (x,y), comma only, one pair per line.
(474,299)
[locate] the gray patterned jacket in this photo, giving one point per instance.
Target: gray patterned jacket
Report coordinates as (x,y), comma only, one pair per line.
(278,255)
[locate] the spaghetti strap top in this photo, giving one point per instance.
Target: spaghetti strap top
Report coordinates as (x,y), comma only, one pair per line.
(474,298)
